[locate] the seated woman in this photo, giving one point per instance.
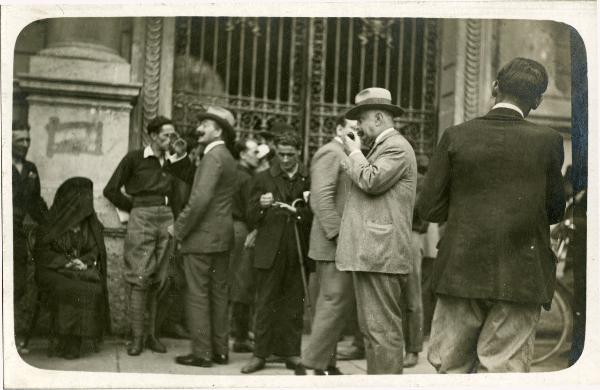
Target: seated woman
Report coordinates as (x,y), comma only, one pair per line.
(70,259)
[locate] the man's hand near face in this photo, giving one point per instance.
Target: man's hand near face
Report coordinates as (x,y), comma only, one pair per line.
(351,145)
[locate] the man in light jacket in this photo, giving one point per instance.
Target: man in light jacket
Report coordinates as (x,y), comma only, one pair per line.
(375,234)
(329,189)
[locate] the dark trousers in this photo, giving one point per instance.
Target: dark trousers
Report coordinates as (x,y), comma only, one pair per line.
(279,303)
(378,297)
(333,309)
(206,302)
(19,265)
(241,282)
(412,302)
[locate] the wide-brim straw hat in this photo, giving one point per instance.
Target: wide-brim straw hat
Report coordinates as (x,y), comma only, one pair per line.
(222,116)
(373,98)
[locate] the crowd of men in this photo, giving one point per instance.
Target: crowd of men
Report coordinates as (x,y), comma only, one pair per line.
(249,232)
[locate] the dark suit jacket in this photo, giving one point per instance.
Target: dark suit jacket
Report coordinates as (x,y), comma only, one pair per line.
(183,174)
(273,222)
(496,181)
(26,196)
(205,225)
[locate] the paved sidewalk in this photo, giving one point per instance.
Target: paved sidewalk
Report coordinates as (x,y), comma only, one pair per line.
(113,358)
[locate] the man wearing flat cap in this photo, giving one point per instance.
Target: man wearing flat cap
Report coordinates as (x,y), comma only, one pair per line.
(205,230)
(375,234)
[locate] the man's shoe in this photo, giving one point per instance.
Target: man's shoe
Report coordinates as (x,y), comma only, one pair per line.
(154,344)
(329,371)
(411,359)
(220,359)
(351,354)
(243,346)
(292,362)
(299,369)
(191,360)
(255,364)
(136,346)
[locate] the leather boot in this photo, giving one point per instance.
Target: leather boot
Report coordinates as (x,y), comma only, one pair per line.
(152,342)
(137,305)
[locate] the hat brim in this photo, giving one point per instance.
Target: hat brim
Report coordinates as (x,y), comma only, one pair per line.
(222,122)
(354,112)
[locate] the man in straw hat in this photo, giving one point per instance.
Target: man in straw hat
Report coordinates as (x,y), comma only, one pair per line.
(375,234)
(205,230)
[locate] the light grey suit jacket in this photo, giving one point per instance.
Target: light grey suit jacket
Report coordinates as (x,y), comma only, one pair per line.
(205,225)
(375,234)
(328,192)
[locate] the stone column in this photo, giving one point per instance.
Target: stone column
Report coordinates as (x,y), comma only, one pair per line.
(91,38)
(80,97)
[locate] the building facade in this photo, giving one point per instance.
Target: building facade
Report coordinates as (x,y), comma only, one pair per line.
(88,86)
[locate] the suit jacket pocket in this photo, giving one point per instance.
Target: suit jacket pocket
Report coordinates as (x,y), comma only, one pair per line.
(377,244)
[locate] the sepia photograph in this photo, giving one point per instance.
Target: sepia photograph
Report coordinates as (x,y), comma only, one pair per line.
(257,195)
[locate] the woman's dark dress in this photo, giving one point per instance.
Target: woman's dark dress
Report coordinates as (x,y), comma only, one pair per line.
(79,297)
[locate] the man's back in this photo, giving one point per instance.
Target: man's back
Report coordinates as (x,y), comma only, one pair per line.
(496,181)
(329,190)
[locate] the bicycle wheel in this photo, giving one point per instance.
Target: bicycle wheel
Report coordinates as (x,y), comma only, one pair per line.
(554,327)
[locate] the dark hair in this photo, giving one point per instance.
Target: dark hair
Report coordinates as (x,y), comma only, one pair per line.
(523,79)
(157,123)
(19,124)
(289,138)
(340,120)
(241,145)
(266,134)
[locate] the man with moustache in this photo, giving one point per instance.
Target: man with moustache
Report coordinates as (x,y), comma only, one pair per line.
(241,291)
(149,186)
(375,233)
(335,301)
(496,182)
(281,222)
(26,200)
(205,230)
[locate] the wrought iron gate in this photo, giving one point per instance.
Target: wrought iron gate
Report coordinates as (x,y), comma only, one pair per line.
(305,71)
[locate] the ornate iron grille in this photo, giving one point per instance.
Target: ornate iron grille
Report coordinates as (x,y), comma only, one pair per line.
(305,71)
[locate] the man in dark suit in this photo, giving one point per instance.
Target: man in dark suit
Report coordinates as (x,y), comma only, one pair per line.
(496,181)
(280,220)
(335,301)
(241,281)
(26,200)
(205,229)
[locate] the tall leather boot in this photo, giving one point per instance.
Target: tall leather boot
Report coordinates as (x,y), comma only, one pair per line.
(152,341)
(137,307)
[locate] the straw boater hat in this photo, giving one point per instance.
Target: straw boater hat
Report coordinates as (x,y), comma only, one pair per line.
(372,99)
(220,115)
